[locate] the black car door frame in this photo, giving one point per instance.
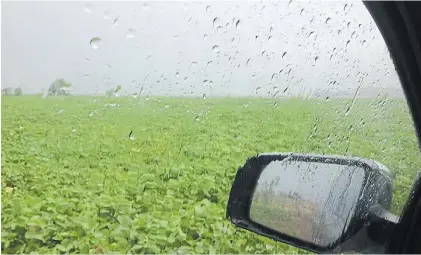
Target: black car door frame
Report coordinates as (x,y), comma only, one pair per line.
(400,25)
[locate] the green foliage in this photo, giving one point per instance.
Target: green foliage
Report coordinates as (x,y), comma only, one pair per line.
(59,88)
(73,182)
(18,91)
(7,91)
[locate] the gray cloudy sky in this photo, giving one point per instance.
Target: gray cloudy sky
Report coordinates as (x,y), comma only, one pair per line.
(191,48)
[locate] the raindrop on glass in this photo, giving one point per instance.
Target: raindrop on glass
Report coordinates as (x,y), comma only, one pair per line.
(215,48)
(328,20)
(208,10)
(95,41)
(131,136)
(284,54)
(115,22)
(237,24)
(215,20)
(145,7)
(130,33)
(302,12)
(88,8)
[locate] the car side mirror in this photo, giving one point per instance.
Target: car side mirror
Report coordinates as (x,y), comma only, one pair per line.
(316,202)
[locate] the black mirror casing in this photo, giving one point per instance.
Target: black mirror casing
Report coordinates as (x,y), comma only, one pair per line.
(376,189)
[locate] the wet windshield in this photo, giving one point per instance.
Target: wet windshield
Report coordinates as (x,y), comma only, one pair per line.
(124,123)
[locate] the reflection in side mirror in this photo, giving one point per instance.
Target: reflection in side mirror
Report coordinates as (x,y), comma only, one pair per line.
(308,200)
(315,202)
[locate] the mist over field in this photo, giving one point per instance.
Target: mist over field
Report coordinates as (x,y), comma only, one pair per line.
(275,49)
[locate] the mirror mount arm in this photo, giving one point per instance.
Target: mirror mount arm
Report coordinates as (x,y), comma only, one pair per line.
(381,223)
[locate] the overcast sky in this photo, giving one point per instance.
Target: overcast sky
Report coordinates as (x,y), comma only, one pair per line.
(194,48)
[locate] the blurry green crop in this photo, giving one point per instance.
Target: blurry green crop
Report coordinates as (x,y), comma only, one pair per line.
(73,181)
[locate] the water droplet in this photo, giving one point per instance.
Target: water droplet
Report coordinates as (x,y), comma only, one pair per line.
(197,118)
(88,8)
(353,34)
(349,24)
(177,74)
(145,7)
(364,43)
(208,10)
(73,130)
(215,48)
(60,111)
(131,136)
(92,113)
(115,22)
(87,59)
(347,43)
(302,12)
(95,41)
(328,20)
(220,29)
(237,24)
(130,33)
(205,36)
(310,34)
(215,21)
(106,15)
(284,54)
(316,58)
(204,96)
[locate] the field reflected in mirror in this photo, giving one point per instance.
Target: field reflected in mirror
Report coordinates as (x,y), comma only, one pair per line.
(308,200)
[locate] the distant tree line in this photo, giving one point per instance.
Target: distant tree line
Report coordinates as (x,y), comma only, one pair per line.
(59,88)
(11,91)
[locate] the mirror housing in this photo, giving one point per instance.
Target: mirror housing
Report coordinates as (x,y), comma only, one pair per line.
(370,218)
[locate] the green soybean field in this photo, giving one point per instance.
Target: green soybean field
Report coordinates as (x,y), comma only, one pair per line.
(85,174)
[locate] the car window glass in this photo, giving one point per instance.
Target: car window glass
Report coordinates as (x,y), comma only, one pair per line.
(123,123)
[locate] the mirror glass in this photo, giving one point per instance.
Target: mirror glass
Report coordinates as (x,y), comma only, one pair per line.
(311,201)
